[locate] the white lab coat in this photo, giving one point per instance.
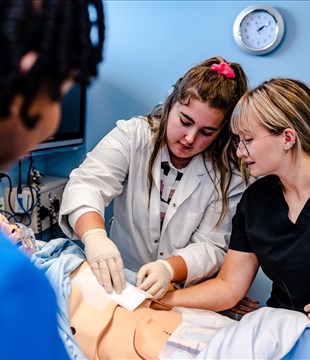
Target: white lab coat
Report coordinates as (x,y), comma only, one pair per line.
(117,169)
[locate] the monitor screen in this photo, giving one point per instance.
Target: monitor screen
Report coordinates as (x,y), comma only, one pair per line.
(71,130)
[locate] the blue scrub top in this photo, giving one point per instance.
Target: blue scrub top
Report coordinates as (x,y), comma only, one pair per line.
(28,324)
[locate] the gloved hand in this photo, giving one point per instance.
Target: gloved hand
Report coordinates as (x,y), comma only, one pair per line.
(155,278)
(104,259)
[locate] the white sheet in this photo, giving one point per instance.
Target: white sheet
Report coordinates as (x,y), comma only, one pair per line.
(266,333)
(194,334)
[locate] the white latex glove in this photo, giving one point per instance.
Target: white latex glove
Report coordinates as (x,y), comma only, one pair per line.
(104,259)
(155,278)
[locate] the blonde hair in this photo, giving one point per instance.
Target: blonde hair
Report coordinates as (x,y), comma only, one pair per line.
(277,104)
(221,93)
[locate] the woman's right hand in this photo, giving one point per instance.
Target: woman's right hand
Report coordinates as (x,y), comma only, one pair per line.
(245,306)
(155,277)
(104,259)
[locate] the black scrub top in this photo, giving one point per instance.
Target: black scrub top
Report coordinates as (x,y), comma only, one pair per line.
(261,225)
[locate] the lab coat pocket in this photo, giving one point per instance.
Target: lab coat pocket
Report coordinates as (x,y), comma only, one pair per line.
(193,219)
(184,226)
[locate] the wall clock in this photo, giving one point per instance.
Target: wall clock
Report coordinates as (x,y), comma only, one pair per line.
(258,29)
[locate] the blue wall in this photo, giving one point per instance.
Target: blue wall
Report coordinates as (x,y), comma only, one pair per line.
(150,44)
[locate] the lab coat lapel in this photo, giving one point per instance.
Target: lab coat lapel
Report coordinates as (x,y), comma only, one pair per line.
(154,211)
(189,182)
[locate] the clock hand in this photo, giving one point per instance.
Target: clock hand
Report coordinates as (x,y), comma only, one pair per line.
(261,28)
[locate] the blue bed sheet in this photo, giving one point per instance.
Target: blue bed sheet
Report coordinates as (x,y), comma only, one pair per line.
(301,349)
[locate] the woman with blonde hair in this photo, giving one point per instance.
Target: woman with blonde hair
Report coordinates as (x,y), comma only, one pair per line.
(271,227)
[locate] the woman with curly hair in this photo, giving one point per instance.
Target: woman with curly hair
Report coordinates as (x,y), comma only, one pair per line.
(45,47)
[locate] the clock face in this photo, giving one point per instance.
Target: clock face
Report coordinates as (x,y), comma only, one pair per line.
(258,29)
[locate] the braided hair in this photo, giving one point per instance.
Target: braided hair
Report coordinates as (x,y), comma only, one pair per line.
(67,37)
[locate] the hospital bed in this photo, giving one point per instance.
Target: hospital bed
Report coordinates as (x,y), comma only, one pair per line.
(265,333)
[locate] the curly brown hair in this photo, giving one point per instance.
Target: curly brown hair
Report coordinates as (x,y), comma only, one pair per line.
(59,32)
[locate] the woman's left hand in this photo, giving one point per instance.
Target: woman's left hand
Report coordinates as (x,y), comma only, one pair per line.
(307,310)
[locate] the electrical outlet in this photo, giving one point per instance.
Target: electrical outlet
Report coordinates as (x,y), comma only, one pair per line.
(2,204)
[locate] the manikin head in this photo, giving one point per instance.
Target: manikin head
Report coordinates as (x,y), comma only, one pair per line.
(21,236)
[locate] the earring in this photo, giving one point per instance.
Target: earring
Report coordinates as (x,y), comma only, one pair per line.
(27,61)
(288,147)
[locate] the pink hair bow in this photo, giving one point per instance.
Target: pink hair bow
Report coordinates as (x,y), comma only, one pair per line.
(224,69)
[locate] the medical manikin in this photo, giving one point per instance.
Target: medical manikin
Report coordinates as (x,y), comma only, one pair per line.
(22,236)
(106,330)
(103,329)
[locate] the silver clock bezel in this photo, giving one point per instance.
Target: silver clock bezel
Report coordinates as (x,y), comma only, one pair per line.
(258,7)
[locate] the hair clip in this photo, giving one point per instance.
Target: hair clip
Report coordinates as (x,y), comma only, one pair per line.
(224,69)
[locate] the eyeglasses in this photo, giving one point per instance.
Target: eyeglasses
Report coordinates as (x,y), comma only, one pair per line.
(242,145)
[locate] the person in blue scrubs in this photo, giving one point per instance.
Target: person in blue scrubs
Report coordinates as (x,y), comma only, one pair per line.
(28,309)
(45,47)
